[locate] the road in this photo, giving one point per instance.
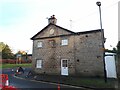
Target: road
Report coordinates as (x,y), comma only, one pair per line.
(24,84)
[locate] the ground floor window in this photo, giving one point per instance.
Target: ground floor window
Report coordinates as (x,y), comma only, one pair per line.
(39,64)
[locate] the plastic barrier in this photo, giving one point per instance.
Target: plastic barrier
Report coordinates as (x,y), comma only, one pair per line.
(4,83)
(4,80)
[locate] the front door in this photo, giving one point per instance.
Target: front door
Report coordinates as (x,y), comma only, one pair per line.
(64,67)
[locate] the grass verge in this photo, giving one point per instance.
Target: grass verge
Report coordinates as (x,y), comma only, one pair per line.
(90,82)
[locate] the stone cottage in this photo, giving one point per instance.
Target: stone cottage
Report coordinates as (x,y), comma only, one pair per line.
(59,51)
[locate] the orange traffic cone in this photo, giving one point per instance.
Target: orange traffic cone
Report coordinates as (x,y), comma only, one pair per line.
(58,86)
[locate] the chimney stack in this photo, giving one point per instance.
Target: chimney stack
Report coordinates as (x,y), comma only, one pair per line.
(52,20)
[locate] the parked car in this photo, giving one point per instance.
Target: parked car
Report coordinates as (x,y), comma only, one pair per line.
(4,83)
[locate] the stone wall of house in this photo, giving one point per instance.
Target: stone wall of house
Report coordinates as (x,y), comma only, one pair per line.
(52,55)
(89,54)
(83,52)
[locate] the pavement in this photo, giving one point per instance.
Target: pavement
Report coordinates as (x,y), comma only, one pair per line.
(50,79)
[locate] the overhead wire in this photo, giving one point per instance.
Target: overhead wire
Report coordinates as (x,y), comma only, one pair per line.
(103,10)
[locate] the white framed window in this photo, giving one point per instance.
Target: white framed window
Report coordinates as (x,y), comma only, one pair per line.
(64,42)
(39,44)
(39,64)
(64,63)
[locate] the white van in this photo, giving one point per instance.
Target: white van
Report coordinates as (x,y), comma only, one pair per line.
(110,65)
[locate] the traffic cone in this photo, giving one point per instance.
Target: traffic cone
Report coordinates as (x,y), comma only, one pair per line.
(58,86)
(7,81)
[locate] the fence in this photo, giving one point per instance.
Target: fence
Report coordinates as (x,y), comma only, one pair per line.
(12,61)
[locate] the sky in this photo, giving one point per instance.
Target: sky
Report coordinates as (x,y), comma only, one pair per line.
(22,19)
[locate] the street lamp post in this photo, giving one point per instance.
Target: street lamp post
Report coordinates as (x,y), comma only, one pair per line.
(102,38)
(99,4)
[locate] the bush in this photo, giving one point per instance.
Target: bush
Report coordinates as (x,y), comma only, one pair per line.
(29,61)
(26,61)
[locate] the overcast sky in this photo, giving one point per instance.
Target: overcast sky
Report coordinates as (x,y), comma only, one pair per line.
(21,19)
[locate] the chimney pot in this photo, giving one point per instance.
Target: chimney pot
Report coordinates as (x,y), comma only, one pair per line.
(52,20)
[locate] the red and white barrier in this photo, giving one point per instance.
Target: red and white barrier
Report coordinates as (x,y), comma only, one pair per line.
(4,79)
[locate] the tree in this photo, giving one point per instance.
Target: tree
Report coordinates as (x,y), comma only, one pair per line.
(2,46)
(6,51)
(21,52)
(118,57)
(111,51)
(118,49)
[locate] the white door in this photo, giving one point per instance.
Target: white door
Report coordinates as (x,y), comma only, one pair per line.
(110,66)
(64,67)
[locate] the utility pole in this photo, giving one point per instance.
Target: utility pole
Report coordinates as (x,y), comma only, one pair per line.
(102,38)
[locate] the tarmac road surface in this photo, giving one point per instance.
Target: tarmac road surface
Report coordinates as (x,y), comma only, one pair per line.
(24,84)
